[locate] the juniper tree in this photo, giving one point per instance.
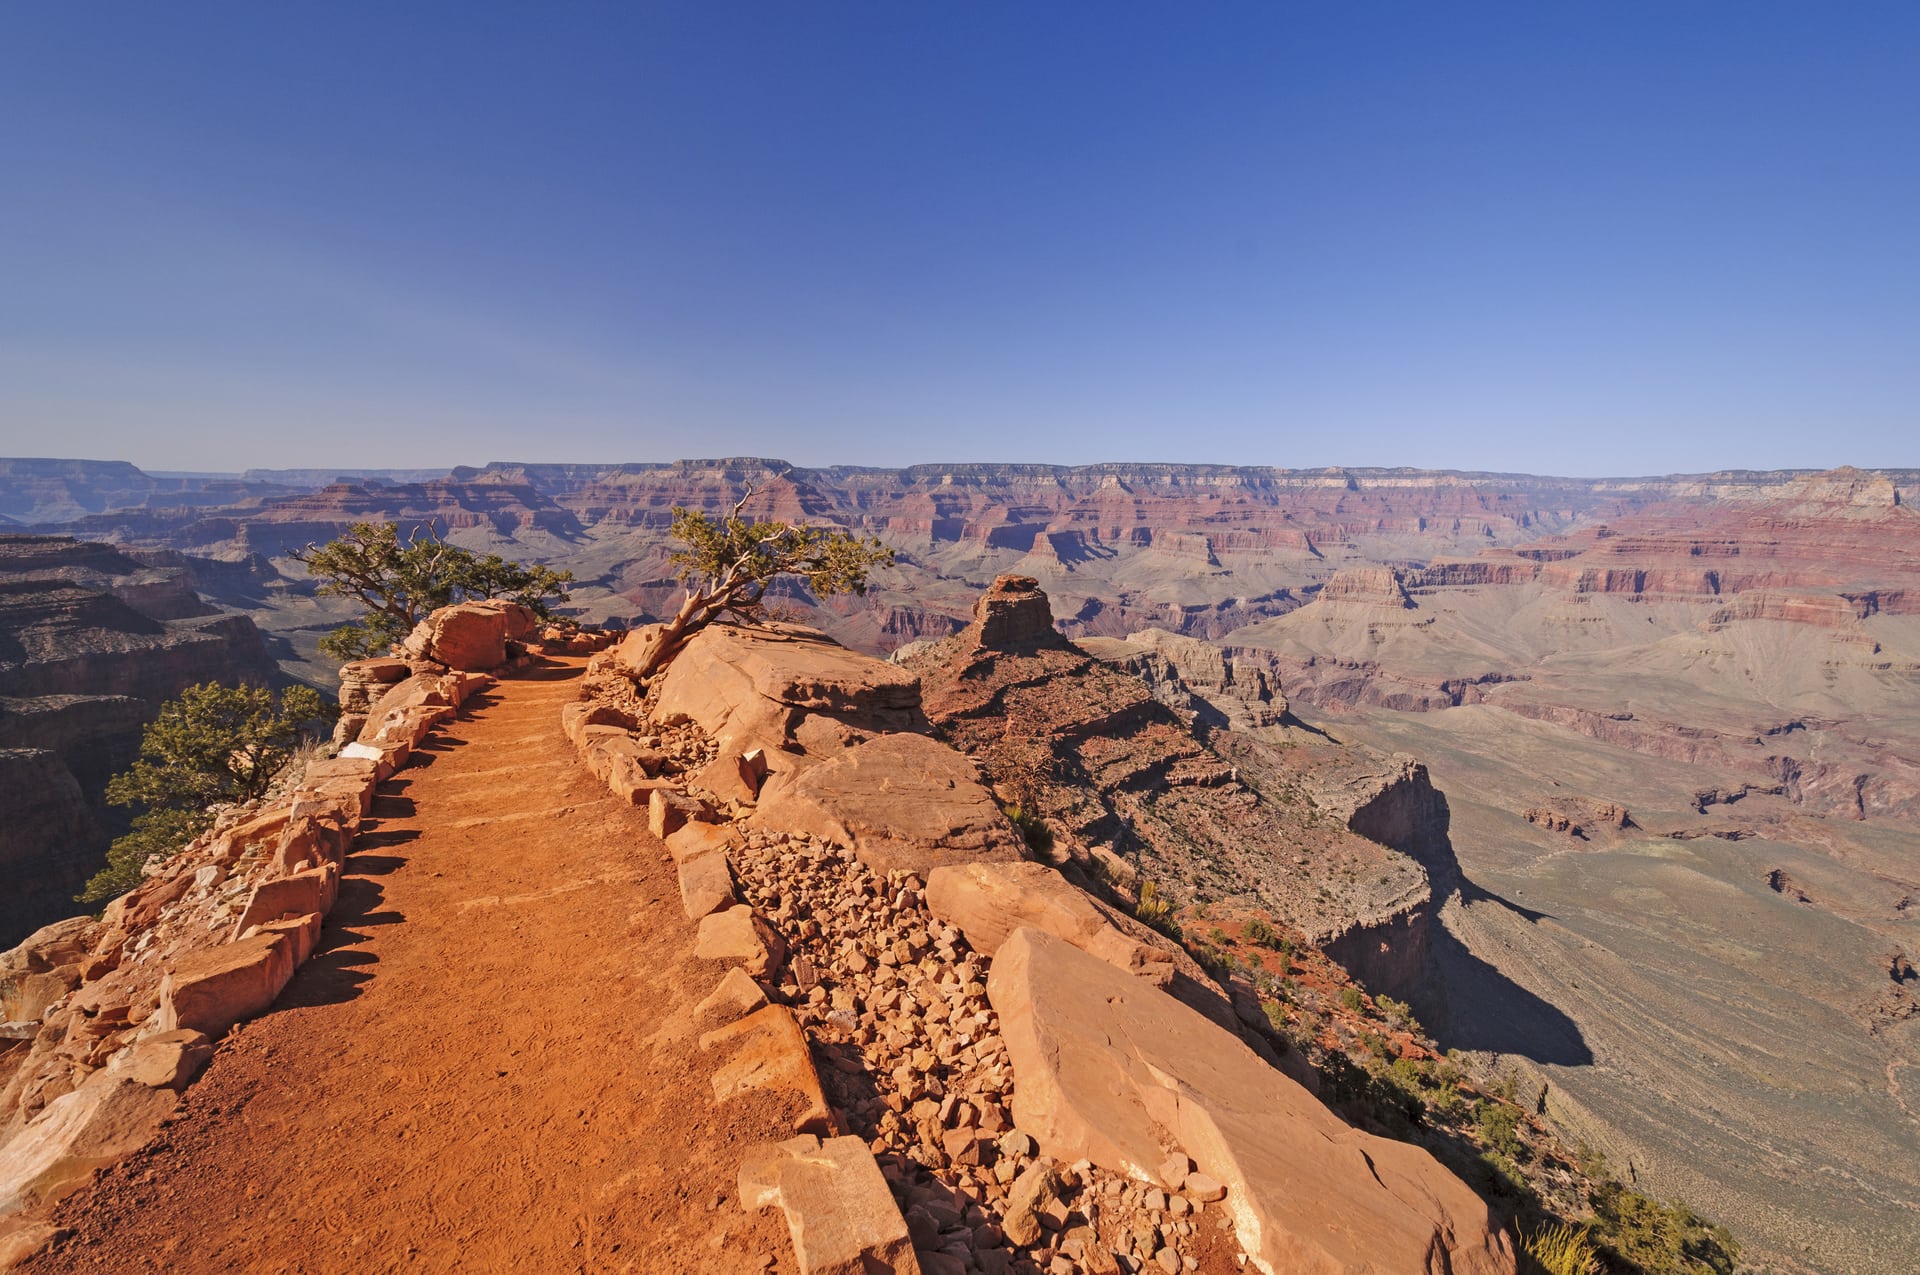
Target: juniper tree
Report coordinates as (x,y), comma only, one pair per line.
(399,581)
(728,562)
(214,744)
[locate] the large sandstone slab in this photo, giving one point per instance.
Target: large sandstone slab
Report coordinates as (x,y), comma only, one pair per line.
(312,891)
(735,935)
(989,901)
(901,801)
(747,687)
(841,1215)
(706,884)
(212,989)
(766,1050)
(106,1119)
(1112,1070)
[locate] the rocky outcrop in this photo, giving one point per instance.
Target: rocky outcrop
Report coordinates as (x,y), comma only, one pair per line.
(1237,689)
(812,886)
(789,691)
(900,801)
(1110,1071)
(1377,586)
(1120,780)
(1013,615)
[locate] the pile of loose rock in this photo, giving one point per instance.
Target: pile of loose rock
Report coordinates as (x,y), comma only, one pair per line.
(912,1061)
(896,969)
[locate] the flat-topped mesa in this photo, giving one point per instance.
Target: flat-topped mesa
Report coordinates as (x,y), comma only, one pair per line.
(1014,615)
(1379,585)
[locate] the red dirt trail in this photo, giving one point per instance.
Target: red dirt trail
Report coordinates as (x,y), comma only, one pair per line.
(488,1065)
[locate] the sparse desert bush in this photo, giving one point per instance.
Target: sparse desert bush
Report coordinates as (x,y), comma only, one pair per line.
(1499,1126)
(1156,910)
(1260,933)
(1562,1249)
(1351,998)
(1033,829)
(1642,1234)
(1398,1013)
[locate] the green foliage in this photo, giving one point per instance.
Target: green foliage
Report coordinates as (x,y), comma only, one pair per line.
(1214,961)
(735,558)
(155,832)
(1351,998)
(1659,1239)
(1561,1249)
(1499,1126)
(1261,933)
(1397,1013)
(1033,829)
(213,744)
(399,581)
(1156,910)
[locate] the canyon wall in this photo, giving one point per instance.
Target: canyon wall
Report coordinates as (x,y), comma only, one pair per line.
(92,642)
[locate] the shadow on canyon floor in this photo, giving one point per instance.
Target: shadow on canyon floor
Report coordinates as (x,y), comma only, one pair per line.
(1469,1004)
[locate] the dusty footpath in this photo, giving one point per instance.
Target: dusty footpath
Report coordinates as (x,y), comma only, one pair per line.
(487,1065)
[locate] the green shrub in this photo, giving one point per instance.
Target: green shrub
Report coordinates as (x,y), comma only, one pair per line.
(1350,997)
(1033,829)
(213,744)
(1499,1126)
(1659,1239)
(1398,1013)
(1261,934)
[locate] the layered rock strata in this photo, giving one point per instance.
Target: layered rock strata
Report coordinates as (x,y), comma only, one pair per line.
(1121,780)
(92,642)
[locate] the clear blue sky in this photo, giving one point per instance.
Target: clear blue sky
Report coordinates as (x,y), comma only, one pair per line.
(1574,238)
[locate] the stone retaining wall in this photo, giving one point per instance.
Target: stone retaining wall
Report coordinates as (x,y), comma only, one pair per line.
(107,1020)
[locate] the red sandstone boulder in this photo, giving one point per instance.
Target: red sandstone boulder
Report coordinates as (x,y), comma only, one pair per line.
(838,1207)
(471,635)
(766,1050)
(900,801)
(747,687)
(109,1117)
(989,901)
(311,891)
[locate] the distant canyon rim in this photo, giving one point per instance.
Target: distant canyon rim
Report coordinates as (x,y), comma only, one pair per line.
(1676,722)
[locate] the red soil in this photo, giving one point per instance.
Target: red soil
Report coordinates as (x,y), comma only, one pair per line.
(487,1066)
